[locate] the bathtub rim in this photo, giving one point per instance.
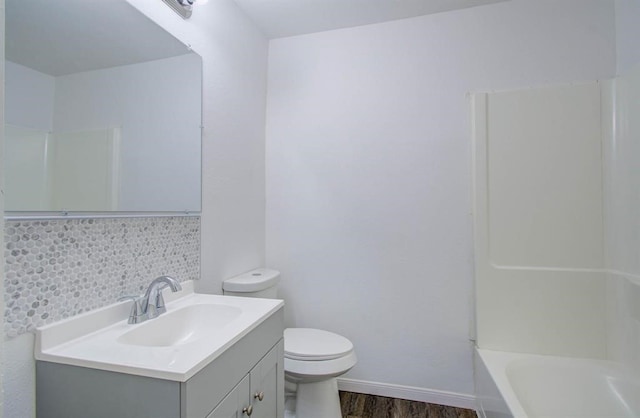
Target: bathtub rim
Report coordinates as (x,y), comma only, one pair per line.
(496,363)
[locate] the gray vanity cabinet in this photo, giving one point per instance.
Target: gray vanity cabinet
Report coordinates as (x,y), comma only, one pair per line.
(236,403)
(260,393)
(249,370)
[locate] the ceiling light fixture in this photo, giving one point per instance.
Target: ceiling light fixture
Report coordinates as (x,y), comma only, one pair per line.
(182,7)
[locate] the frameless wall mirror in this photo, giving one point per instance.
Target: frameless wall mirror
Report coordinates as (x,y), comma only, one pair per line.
(103,111)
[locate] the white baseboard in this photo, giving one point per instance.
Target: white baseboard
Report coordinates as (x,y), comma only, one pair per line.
(440,397)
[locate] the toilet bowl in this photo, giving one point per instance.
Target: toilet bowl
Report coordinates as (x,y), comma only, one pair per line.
(313,358)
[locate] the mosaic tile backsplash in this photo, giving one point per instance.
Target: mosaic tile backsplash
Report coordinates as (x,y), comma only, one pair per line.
(55,269)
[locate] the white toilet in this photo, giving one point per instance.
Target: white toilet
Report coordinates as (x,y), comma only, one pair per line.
(313,358)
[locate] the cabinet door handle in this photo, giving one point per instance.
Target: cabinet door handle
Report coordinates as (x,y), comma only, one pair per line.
(259,396)
(248,410)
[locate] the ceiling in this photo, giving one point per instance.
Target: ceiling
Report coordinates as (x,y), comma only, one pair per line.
(282,18)
(65,37)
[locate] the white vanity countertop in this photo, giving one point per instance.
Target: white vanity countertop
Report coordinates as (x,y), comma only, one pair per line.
(91,339)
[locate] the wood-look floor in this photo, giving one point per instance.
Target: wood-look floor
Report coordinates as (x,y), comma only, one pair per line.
(357,405)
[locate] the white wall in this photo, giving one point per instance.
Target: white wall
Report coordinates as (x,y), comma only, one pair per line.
(234,55)
(19,376)
(368,171)
(627,34)
(2,121)
(31,96)
(165,120)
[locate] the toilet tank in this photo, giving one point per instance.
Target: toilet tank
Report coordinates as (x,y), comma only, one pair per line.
(258,283)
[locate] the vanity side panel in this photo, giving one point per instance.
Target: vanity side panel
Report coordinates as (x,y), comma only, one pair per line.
(208,387)
(71,391)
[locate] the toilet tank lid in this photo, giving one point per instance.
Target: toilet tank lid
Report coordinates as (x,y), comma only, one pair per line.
(252,281)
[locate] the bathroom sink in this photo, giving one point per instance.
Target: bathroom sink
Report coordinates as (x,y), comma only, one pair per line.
(182,326)
(195,330)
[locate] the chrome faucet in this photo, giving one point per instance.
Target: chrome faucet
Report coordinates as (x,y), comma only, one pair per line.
(153,299)
(151,304)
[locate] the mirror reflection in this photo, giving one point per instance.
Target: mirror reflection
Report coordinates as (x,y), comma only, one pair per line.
(102,110)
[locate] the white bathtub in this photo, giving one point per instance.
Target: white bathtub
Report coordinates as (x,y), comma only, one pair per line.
(531,386)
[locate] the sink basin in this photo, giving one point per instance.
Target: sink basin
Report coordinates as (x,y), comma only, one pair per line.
(181,326)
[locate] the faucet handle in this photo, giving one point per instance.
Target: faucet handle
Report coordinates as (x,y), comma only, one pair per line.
(160,306)
(137,314)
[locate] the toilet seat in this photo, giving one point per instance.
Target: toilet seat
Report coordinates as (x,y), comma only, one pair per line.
(315,355)
(318,370)
(308,344)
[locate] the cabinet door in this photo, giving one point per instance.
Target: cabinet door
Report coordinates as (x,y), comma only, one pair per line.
(234,404)
(267,384)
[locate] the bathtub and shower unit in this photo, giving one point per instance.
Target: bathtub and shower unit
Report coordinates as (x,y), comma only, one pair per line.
(556,227)
(528,385)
